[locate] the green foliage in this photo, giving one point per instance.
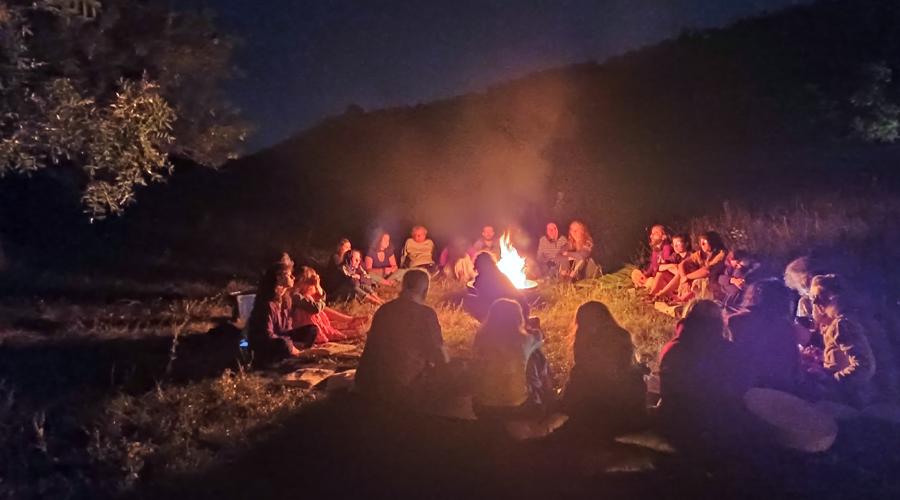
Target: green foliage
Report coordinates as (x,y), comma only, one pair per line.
(878,118)
(112,93)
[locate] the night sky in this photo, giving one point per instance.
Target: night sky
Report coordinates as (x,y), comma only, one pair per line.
(306,59)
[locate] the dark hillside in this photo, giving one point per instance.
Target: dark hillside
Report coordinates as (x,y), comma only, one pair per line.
(762,110)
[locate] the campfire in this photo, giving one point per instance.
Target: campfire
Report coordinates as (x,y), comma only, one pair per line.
(513,265)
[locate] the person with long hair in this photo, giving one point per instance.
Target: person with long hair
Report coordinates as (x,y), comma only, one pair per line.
(660,253)
(700,390)
(512,374)
(848,361)
(380,262)
(490,284)
(606,391)
(308,308)
(578,253)
(359,285)
(270,330)
(334,279)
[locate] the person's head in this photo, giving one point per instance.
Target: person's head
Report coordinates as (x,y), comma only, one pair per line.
(681,243)
(487,233)
(485,262)
(711,242)
(658,235)
(343,246)
(415,284)
(353,258)
(769,295)
(382,241)
(419,234)
(504,320)
(552,231)
(277,279)
(307,279)
(595,324)
(703,322)
(826,292)
(798,275)
(578,234)
(285,258)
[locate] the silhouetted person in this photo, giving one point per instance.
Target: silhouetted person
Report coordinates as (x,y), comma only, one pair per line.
(606,393)
(766,338)
(700,395)
(404,346)
(491,284)
(512,377)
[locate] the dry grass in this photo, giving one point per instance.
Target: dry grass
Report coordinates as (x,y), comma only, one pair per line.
(111,435)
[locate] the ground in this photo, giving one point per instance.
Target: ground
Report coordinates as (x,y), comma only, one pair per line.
(127,387)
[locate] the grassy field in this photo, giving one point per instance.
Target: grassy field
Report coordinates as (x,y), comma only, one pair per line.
(108,383)
(100,395)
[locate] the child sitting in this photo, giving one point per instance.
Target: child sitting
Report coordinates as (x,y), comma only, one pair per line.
(308,308)
(359,286)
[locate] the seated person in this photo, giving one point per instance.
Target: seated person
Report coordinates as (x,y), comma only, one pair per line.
(270,331)
(668,270)
(487,243)
(660,253)
(456,263)
(606,391)
(739,270)
(798,277)
(848,362)
(490,284)
(512,377)
(549,252)
(699,270)
(764,338)
(418,251)
(380,262)
(700,392)
(334,278)
(359,285)
(580,245)
(308,308)
(404,347)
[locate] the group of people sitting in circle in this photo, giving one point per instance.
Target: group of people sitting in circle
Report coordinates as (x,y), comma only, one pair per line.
(676,273)
(740,330)
(351,274)
(743,329)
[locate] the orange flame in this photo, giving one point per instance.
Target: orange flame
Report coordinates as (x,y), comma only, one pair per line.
(511,264)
